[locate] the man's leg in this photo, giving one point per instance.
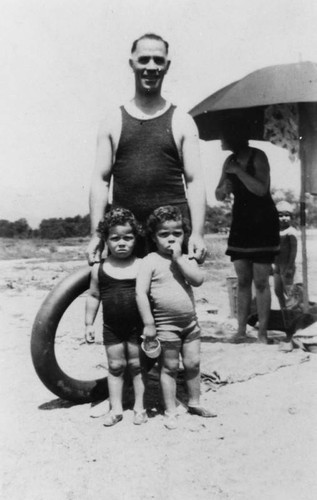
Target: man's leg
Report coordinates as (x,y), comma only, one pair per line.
(243,269)
(261,274)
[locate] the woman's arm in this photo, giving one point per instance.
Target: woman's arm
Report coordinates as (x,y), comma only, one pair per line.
(143,283)
(92,305)
(224,187)
(257,184)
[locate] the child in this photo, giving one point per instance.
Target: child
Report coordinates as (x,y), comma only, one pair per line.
(166,304)
(113,283)
(284,264)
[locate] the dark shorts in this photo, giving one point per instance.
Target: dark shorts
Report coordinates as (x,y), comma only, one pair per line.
(255,257)
(113,336)
(171,338)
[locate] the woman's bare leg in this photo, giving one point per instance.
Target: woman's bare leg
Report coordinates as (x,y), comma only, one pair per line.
(261,274)
(244,273)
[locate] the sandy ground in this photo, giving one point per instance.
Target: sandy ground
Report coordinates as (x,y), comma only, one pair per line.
(262,445)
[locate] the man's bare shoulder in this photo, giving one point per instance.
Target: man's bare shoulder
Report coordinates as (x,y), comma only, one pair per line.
(111,121)
(184,123)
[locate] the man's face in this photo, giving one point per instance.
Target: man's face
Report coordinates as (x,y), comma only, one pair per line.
(150,64)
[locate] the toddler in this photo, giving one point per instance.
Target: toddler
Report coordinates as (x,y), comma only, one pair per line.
(166,304)
(113,283)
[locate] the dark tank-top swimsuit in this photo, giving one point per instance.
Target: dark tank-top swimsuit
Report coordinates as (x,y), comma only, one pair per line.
(148,171)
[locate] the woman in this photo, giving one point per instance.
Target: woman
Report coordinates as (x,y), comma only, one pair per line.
(254,234)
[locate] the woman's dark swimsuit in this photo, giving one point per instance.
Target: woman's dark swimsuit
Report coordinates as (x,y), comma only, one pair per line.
(121,318)
(254,232)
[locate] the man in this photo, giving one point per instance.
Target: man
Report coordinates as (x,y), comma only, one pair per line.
(147,148)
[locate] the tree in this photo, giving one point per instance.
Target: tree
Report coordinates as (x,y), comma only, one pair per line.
(218,218)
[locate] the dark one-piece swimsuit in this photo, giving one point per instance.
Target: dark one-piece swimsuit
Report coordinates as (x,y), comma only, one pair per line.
(254,232)
(121,318)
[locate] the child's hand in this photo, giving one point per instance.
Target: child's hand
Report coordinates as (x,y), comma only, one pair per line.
(176,250)
(90,334)
(149,331)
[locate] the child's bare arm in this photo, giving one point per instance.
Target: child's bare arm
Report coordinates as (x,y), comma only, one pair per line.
(188,267)
(143,283)
(293,249)
(92,305)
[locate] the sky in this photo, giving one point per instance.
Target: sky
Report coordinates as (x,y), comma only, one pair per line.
(65,62)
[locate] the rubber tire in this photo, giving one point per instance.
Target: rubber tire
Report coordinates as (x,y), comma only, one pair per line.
(43,340)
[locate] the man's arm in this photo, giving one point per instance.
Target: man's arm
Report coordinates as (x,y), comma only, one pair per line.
(99,190)
(196,195)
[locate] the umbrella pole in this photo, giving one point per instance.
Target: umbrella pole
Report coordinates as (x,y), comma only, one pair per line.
(303,232)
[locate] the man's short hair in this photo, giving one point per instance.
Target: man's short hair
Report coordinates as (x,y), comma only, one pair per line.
(150,36)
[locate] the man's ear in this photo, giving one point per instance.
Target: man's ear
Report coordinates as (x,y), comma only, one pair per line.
(131,63)
(167,66)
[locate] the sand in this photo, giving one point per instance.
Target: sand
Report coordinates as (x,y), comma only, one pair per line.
(262,445)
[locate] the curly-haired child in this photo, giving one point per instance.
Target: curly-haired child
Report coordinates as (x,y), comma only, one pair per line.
(166,304)
(113,283)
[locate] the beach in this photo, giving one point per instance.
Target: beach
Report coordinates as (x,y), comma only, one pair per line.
(262,445)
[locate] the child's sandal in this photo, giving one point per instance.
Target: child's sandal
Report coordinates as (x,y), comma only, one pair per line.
(112,419)
(140,417)
(170,420)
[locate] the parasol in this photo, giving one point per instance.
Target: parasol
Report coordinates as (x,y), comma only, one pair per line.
(276,104)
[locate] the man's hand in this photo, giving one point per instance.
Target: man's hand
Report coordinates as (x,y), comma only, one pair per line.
(90,334)
(94,249)
(197,248)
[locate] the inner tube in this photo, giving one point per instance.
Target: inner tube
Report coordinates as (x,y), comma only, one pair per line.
(43,341)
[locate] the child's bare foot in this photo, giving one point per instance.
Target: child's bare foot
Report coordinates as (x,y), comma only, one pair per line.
(263,339)
(286,346)
(201,412)
(238,338)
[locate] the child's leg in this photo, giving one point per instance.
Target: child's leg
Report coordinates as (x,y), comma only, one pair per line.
(117,364)
(279,290)
(169,368)
(137,375)
(191,362)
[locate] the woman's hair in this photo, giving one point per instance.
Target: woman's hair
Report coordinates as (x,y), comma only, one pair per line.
(117,217)
(235,135)
(163,214)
